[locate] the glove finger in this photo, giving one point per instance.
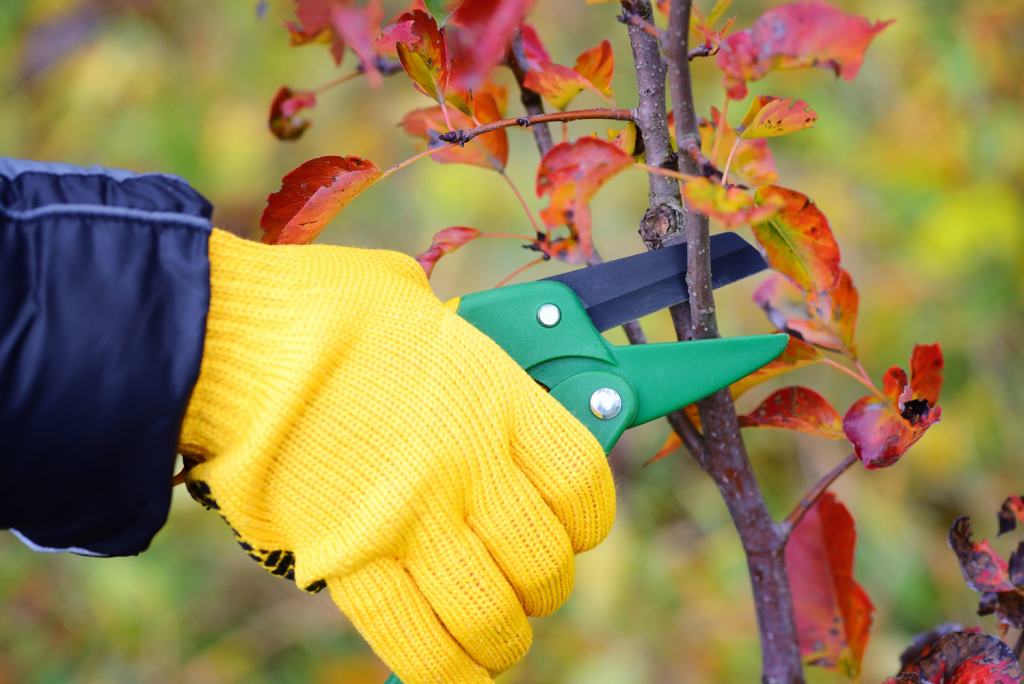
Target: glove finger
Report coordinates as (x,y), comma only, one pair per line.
(567,466)
(467,590)
(387,608)
(525,539)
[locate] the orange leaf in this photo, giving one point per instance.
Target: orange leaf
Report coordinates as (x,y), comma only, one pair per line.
(731,207)
(340,23)
(312,195)
(572,174)
(926,366)
(287,103)
(672,442)
(625,139)
(798,241)
(445,242)
(797,35)
(833,318)
(752,163)
(770,117)
(488,151)
(712,38)
(796,408)
(796,355)
(833,612)
(426,60)
(559,85)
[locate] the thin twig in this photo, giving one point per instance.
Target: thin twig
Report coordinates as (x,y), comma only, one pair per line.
(814,493)
(386,67)
(419,156)
(701,50)
(519,270)
(463,136)
(338,81)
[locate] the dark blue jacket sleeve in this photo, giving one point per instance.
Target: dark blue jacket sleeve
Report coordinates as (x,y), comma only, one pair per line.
(103,308)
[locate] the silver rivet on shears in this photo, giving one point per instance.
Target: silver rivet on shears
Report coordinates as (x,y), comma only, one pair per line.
(548,315)
(605,403)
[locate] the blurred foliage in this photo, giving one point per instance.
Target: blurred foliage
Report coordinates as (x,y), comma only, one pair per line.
(919,165)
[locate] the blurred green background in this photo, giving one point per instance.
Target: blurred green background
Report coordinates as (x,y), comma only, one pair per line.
(919,165)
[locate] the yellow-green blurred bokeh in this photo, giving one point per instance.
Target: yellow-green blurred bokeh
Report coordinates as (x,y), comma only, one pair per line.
(919,165)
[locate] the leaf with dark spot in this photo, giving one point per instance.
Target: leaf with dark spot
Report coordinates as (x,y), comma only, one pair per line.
(983,569)
(1011,511)
(312,195)
(922,643)
(426,60)
(966,658)
(1008,607)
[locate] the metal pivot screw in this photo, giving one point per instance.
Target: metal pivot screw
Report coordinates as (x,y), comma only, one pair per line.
(548,315)
(605,403)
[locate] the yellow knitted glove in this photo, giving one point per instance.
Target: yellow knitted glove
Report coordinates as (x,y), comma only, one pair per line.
(356,434)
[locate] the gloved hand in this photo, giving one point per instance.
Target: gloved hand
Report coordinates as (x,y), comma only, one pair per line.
(357,434)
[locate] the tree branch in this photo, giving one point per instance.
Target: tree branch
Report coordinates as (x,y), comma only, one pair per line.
(814,493)
(724,456)
(534,106)
(463,136)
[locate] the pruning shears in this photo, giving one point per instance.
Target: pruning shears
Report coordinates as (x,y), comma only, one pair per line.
(552,328)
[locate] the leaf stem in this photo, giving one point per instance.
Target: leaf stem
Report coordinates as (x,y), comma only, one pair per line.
(419,156)
(814,493)
(448,121)
(665,172)
(338,81)
(508,235)
(463,136)
(728,162)
(522,201)
(864,380)
(519,270)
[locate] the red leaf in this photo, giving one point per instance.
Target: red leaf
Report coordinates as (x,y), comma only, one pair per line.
(797,35)
(1012,510)
(965,658)
(315,26)
(983,569)
(882,431)
(533,48)
(312,195)
(731,207)
(445,242)
(339,22)
(398,32)
(926,366)
(796,355)
(798,241)
(426,60)
(572,174)
(287,103)
(559,85)
(833,612)
(488,151)
(490,24)
(796,408)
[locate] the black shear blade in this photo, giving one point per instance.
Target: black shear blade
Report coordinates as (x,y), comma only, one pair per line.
(626,289)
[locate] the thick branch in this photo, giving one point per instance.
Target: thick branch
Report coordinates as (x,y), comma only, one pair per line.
(463,136)
(531,99)
(814,493)
(662,222)
(724,456)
